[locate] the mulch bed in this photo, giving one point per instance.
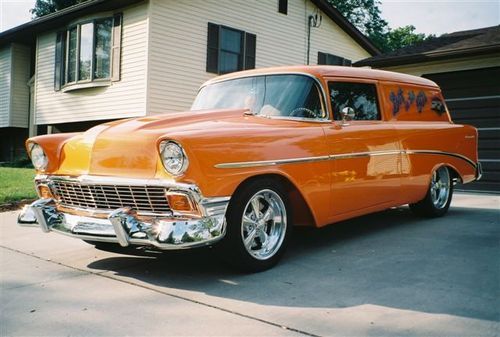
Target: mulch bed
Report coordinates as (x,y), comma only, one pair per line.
(15,205)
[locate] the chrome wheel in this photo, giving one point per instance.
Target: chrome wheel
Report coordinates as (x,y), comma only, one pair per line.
(440,187)
(264,224)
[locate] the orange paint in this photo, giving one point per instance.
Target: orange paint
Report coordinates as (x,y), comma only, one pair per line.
(396,171)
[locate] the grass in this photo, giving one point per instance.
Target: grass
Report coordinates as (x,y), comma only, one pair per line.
(16,184)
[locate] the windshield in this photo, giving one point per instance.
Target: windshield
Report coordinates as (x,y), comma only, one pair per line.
(272,95)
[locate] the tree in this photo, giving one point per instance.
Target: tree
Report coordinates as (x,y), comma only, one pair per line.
(366,16)
(403,37)
(44,7)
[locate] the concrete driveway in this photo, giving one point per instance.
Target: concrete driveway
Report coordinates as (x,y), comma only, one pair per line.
(387,274)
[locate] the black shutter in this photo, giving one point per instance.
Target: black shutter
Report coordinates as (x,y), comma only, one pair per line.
(283,6)
(213,48)
(59,60)
(321,58)
(250,46)
(116,47)
(347,63)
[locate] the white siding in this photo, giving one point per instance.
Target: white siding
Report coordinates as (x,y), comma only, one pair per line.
(124,98)
(20,99)
(178,42)
(5,80)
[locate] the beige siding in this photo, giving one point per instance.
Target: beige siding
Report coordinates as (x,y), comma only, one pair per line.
(5,80)
(20,96)
(468,63)
(178,42)
(124,98)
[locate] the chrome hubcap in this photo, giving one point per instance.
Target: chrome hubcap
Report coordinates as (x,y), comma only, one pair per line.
(440,187)
(264,224)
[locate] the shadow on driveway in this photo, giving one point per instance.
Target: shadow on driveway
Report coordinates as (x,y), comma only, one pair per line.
(448,265)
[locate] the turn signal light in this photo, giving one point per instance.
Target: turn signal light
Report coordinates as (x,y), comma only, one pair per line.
(44,192)
(180,202)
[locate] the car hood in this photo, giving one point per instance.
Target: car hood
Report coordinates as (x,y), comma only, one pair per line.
(129,147)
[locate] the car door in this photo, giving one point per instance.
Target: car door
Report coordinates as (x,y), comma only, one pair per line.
(364,150)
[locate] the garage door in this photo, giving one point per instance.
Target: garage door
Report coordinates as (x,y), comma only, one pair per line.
(473,97)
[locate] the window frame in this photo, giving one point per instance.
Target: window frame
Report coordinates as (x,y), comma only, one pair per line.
(246,56)
(380,113)
(91,78)
(62,61)
(345,62)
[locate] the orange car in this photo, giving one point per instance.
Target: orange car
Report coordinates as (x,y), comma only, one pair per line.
(259,152)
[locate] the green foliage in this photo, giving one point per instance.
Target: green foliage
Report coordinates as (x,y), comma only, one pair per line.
(366,16)
(44,7)
(16,184)
(404,36)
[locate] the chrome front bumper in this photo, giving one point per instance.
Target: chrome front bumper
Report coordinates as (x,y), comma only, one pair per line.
(125,227)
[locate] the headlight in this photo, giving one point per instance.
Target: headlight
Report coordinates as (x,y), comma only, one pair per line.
(173,157)
(38,157)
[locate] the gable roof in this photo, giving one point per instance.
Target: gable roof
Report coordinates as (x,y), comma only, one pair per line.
(345,25)
(27,32)
(458,44)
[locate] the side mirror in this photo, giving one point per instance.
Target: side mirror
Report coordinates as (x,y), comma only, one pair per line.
(347,115)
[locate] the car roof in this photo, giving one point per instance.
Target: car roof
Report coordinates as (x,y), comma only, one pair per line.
(331,71)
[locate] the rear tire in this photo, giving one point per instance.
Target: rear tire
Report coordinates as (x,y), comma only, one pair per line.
(259,223)
(438,197)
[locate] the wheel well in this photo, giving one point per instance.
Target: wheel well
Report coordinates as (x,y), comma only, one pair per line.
(302,215)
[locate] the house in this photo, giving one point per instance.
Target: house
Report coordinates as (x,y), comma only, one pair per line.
(466,65)
(108,59)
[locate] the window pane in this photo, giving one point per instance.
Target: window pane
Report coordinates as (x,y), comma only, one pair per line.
(359,96)
(103,48)
(229,62)
(86,33)
(72,55)
(244,93)
(230,40)
(292,96)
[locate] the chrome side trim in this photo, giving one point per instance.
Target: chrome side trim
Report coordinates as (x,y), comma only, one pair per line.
(272,162)
(339,157)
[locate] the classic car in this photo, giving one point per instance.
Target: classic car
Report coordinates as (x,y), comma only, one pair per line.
(259,152)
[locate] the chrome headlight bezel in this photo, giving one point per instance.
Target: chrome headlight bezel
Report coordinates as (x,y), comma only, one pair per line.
(175,161)
(38,157)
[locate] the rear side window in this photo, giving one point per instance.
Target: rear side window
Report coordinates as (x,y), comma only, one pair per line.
(361,97)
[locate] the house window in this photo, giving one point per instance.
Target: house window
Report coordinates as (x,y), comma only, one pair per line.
(283,6)
(361,97)
(334,60)
(229,49)
(88,52)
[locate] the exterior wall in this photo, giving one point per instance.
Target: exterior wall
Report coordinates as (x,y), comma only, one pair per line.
(443,66)
(20,95)
(14,90)
(178,42)
(124,98)
(5,80)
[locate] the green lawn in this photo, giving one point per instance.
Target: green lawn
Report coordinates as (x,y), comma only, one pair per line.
(16,184)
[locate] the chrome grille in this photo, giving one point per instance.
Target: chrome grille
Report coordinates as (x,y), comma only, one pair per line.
(144,199)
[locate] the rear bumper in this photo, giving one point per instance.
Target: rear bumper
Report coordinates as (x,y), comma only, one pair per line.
(123,226)
(479,171)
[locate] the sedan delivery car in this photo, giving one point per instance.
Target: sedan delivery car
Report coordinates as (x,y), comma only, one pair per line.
(260,151)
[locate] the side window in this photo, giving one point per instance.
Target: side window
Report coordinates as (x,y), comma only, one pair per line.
(361,97)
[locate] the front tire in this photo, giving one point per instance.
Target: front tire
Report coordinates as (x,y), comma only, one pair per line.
(258,226)
(438,197)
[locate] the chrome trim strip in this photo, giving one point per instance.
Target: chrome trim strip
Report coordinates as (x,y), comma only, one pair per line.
(338,157)
(272,162)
